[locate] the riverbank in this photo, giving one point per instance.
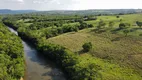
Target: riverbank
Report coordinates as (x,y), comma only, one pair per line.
(37,66)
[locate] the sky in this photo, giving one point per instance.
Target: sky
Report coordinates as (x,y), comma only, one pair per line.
(44,5)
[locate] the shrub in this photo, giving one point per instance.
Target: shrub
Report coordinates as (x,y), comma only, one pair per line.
(140,34)
(126,32)
(139,23)
(87,46)
(90,25)
(101,25)
(111,24)
(124,25)
(117,16)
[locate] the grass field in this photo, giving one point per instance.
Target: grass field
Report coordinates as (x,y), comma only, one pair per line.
(113,48)
(130,18)
(126,51)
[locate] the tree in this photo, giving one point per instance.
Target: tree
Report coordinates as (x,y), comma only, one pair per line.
(58,24)
(111,24)
(87,46)
(124,25)
(139,23)
(11,55)
(83,25)
(101,24)
(126,32)
(117,16)
(76,28)
(80,21)
(60,30)
(90,25)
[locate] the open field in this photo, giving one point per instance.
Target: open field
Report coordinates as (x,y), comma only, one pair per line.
(130,18)
(115,48)
(127,50)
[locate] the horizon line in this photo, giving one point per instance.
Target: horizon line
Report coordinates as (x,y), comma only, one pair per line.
(72,9)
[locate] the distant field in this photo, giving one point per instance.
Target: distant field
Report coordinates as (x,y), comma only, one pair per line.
(130,18)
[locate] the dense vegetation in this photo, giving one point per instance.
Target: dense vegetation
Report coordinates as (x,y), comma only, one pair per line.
(60,38)
(11,55)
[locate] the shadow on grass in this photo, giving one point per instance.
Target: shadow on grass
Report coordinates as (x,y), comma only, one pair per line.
(81,52)
(99,31)
(116,39)
(115,30)
(135,29)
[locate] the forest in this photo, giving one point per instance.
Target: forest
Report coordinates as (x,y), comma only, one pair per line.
(11,55)
(87,47)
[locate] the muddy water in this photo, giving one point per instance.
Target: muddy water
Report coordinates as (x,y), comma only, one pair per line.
(37,66)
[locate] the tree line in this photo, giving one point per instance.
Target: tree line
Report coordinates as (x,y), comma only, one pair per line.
(11,55)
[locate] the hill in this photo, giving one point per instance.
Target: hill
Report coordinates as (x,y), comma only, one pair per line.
(93,11)
(8,11)
(75,12)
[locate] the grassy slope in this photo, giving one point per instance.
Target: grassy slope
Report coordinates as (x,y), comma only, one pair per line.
(126,52)
(104,48)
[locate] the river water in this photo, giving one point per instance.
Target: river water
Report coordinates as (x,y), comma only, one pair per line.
(37,66)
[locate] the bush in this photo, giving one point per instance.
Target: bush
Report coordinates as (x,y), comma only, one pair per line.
(101,25)
(139,23)
(87,46)
(124,25)
(140,34)
(90,25)
(126,32)
(111,24)
(117,16)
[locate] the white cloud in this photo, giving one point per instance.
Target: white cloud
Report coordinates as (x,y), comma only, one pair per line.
(46,1)
(55,2)
(106,4)
(20,0)
(37,2)
(15,1)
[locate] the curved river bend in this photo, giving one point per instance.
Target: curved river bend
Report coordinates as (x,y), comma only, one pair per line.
(37,67)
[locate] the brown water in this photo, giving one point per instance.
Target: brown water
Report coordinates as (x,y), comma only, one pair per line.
(37,66)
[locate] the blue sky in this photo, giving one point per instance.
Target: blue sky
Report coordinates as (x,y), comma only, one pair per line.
(70,4)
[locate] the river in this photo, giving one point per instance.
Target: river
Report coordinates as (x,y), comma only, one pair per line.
(37,66)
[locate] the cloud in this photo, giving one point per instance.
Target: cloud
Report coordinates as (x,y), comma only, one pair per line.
(15,1)
(46,2)
(20,1)
(40,1)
